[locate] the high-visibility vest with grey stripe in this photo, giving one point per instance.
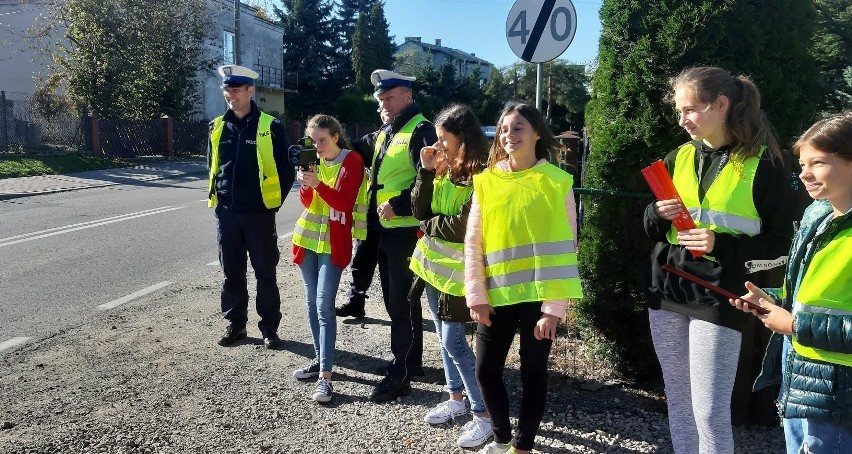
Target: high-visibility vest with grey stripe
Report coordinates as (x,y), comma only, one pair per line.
(826,288)
(527,239)
(439,262)
(359,212)
(728,205)
(396,172)
(311,231)
(270,184)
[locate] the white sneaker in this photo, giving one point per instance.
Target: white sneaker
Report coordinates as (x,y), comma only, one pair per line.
(445,411)
(475,432)
(495,448)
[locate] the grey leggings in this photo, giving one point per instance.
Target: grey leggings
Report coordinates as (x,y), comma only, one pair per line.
(699,362)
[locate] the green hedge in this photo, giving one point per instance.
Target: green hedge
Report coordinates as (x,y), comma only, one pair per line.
(643,44)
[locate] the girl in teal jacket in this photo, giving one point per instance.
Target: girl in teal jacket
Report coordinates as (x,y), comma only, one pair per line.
(810,351)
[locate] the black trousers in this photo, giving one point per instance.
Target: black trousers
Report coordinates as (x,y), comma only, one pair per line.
(394,257)
(492,347)
(363,267)
(254,234)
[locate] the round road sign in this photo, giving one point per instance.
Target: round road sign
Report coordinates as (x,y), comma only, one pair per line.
(540,30)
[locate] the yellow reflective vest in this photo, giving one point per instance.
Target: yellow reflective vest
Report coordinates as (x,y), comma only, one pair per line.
(397,172)
(528,242)
(312,227)
(728,205)
(826,288)
(270,185)
(439,262)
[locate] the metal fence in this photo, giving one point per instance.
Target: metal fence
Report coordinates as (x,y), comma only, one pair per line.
(35,122)
(131,138)
(30,122)
(190,137)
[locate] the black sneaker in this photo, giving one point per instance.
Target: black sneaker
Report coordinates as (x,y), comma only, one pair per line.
(272,342)
(310,371)
(389,389)
(232,335)
(350,310)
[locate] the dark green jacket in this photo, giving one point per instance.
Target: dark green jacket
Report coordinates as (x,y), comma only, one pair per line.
(811,389)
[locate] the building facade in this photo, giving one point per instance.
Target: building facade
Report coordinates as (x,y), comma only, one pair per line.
(464,63)
(260,48)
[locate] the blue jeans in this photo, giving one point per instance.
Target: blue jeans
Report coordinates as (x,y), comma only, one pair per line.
(809,436)
(459,361)
(321,279)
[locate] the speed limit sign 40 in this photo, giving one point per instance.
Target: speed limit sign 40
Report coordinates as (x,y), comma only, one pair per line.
(540,30)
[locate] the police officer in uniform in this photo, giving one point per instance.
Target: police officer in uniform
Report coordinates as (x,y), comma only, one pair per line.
(393,155)
(249,179)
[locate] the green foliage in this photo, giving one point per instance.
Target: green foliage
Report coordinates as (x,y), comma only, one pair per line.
(346,18)
(831,47)
(564,92)
(308,37)
(631,124)
(843,93)
(372,46)
(354,108)
(128,58)
(26,165)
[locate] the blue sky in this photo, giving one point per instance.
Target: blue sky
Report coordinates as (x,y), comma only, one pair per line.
(479,27)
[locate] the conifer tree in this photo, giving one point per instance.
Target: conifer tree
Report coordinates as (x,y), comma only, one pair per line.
(308,37)
(631,124)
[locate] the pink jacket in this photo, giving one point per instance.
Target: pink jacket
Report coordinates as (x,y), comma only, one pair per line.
(474,270)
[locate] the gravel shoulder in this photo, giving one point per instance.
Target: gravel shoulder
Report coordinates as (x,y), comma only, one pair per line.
(148,377)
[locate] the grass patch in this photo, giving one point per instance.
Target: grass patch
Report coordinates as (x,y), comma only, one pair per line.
(27,165)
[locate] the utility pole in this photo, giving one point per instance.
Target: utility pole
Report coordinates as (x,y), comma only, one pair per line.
(236,32)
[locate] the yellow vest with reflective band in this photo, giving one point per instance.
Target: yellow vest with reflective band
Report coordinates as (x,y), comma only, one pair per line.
(397,172)
(439,262)
(359,213)
(728,205)
(270,185)
(312,227)
(826,288)
(528,242)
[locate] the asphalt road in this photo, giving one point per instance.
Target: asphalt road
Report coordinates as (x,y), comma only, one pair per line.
(64,255)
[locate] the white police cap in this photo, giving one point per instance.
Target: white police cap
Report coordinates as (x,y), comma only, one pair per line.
(235,75)
(384,80)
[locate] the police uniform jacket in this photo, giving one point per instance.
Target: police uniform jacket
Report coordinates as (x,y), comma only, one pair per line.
(236,185)
(736,255)
(423,135)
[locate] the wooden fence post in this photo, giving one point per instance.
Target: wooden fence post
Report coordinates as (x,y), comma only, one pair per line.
(94,127)
(169,128)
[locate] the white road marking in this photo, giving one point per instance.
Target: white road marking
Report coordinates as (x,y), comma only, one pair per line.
(13,342)
(283,237)
(134,295)
(83,225)
(204,200)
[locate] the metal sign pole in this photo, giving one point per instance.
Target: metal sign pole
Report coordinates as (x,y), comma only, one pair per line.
(538,84)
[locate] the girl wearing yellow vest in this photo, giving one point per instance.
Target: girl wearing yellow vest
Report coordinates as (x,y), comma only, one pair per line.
(810,351)
(732,181)
(334,196)
(441,201)
(520,267)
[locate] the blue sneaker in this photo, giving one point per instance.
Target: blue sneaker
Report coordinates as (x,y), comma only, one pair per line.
(323,391)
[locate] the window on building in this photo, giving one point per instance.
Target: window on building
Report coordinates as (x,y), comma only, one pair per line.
(259,54)
(228,45)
